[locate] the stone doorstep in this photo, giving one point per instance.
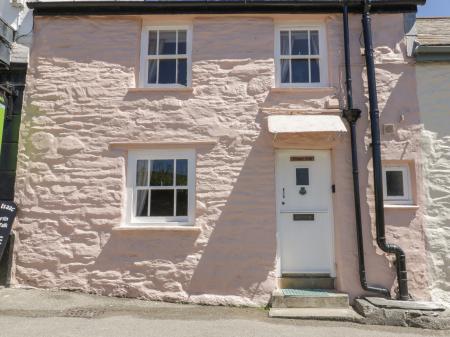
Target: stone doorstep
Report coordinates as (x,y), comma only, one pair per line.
(331,314)
(407,305)
(320,299)
(394,316)
(305,282)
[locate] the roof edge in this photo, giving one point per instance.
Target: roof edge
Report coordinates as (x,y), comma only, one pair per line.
(45,8)
(433,49)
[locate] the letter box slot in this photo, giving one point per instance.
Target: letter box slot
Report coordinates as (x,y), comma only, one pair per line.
(303,217)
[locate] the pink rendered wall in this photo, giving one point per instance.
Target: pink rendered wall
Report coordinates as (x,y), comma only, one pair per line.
(70,185)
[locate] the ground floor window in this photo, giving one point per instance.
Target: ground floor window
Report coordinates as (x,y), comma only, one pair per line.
(397,184)
(161,187)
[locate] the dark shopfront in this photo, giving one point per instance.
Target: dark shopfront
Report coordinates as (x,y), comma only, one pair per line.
(12,83)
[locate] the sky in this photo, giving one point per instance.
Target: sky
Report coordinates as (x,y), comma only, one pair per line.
(435,8)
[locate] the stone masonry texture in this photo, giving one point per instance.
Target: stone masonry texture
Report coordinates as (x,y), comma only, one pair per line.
(433,79)
(71,183)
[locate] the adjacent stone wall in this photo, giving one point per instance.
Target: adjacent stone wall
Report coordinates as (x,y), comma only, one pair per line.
(70,186)
(433,83)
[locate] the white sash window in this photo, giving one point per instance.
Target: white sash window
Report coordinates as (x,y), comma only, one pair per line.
(161,187)
(166,56)
(300,56)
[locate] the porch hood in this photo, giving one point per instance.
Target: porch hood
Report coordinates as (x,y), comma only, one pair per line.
(306,124)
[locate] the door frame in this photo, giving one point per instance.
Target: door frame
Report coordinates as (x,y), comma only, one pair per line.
(331,203)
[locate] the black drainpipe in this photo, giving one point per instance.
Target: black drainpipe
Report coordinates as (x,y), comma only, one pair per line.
(376,158)
(352,115)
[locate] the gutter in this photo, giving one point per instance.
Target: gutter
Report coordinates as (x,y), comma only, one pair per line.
(43,8)
(430,53)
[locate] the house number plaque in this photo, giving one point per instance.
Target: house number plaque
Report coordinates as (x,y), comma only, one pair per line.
(8,211)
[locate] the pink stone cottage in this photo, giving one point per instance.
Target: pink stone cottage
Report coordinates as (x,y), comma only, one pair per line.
(200,152)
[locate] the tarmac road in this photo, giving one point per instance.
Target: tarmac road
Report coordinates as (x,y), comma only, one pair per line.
(41,313)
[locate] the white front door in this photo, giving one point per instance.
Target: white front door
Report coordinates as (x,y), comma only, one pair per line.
(304,212)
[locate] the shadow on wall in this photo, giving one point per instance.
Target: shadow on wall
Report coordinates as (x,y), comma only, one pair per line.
(240,255)
(103,40)
(378,268)
(399,102)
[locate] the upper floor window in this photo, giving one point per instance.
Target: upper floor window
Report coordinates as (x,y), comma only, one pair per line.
(161,187)
(300,56)
(397,184)
(165,56)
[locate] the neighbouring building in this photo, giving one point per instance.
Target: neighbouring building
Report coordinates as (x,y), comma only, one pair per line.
(16,26)
(433,87)
(196,152)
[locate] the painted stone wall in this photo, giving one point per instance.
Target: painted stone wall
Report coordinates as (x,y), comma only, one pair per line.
(70,188)
(432,87)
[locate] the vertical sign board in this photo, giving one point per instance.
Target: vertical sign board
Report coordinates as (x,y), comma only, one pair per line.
(2,118)
(8,211)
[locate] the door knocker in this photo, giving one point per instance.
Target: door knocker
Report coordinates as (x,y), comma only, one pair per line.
(302,190)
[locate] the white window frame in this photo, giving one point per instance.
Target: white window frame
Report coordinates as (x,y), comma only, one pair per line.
(143,71)
(406,199)
(323,55)
(155,154)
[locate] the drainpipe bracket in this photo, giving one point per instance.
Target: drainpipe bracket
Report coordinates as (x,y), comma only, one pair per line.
(351,115)
(367,5)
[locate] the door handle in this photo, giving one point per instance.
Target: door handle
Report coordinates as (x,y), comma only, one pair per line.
(283,193)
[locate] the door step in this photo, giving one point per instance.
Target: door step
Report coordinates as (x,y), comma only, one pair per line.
(331,314)
(306,282)
(309,298)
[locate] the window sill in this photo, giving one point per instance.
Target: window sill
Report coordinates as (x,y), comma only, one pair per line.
(162,144)
(302,89)
(161,89)
(158,228)
(401,207)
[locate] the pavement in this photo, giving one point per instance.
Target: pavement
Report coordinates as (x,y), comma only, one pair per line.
(45,313)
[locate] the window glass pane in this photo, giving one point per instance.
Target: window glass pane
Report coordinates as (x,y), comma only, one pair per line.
(394,182)
(167,71)
(315,71)
(181,42)
(182,202)
(314,36)
(161,173)
(152,71)
(142,203)
(142,173)
(285,73)
(182,172)
(302,176)
(152,39)
(161,203)
(182,71)
(299,41)
(300,71)
(284,42)
(167,42)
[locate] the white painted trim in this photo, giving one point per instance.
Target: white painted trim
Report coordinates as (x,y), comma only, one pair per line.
(305,124)
(144,57)
(323,54)
(182,144)
(406,199)
(158,228)
(149,154)
(401,207)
